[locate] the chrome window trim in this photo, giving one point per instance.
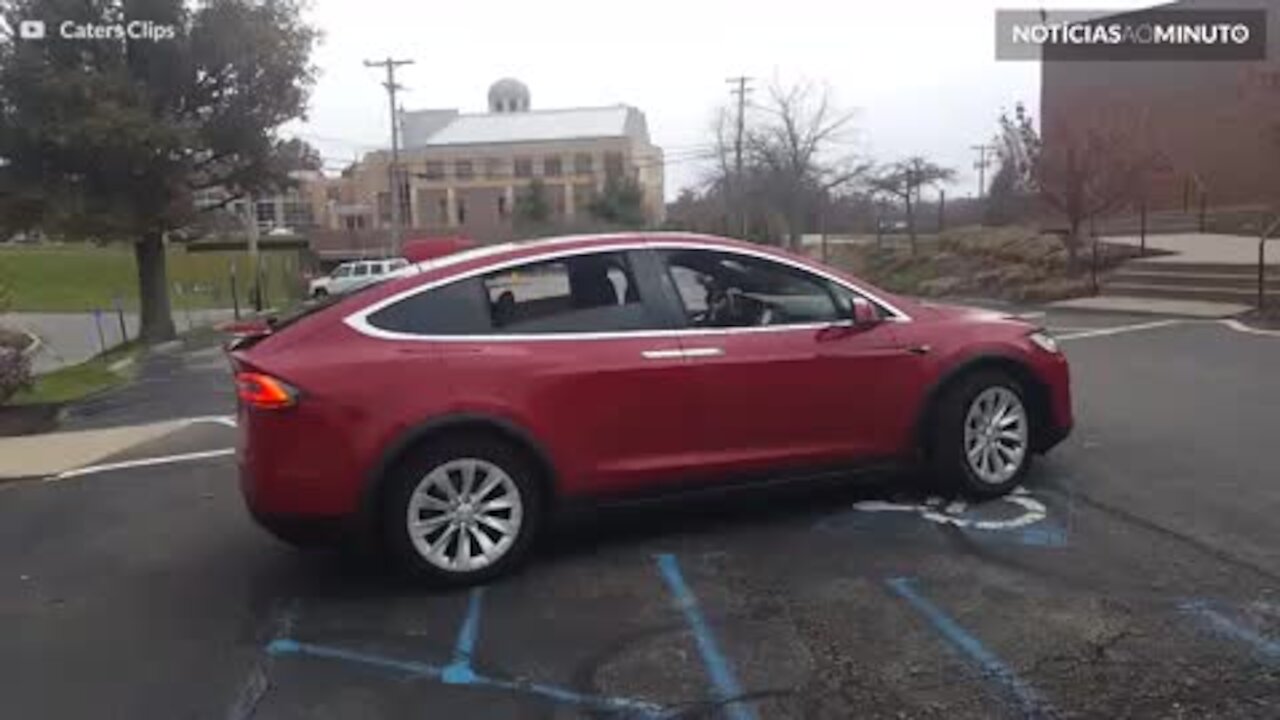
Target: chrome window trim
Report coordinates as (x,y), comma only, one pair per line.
(359,320)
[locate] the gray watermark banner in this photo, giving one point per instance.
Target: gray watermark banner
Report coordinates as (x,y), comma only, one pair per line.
(1137,35)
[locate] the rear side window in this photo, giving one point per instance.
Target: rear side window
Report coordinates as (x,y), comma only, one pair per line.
(577,294)
(361,270)
(458,308)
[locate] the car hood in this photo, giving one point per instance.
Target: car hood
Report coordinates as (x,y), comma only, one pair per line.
(939,312)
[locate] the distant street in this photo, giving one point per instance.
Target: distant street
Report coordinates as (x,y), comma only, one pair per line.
(72,338)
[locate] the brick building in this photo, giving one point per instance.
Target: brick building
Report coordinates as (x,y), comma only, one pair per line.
(1216,124)
(462,172)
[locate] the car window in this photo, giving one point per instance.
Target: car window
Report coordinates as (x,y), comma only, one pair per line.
(728,290)
(361,270)
(458,308)
(376,268)
(342,271)
(582,293)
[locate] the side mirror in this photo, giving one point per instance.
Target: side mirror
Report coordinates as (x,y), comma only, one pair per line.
(864,313)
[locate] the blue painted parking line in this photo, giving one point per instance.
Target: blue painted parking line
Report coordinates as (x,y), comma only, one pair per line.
(992,667)
(1225,625)
(459,671)
(727,690)
(430,671)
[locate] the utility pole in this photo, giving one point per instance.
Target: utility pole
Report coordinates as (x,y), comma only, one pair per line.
(981,166)
(393,172)
(741,91)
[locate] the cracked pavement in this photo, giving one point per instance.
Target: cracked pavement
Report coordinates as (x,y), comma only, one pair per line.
(1150,589)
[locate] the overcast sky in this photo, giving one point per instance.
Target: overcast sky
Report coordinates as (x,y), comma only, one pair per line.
(920,74)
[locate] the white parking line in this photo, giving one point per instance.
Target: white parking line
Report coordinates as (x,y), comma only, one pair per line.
(142,462)
(227,420)
(1241,327)
(1100,332)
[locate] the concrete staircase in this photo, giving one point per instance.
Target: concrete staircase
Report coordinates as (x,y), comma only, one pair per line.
(1213,282)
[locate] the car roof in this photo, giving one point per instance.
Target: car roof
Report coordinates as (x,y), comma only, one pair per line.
(503,253)
(406,281)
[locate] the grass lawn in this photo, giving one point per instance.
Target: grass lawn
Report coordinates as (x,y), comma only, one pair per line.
(77,277)
(76,381)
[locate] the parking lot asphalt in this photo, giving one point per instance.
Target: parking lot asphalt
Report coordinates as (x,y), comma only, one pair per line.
(1136,576)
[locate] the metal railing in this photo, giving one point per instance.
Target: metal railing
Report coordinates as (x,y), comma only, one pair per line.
(1262,262)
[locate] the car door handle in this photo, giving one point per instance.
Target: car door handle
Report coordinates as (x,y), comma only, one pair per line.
(688,353)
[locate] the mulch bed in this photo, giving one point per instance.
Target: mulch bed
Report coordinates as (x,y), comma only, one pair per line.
(28,419)
(1268,319)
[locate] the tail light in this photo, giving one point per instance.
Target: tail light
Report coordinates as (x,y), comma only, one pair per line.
(260,390)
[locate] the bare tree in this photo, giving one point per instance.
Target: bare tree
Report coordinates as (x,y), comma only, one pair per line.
(1087,167)
(903,181)
(795,153)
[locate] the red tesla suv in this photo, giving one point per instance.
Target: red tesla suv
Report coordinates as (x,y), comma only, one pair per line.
(445,412)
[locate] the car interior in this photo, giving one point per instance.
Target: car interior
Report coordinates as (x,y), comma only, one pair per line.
(721,290)
(565,295)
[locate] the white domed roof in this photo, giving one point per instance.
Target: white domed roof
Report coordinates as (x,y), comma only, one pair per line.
(508,95)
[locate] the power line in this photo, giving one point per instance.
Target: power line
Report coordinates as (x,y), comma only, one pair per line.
(981,165)
(393,172)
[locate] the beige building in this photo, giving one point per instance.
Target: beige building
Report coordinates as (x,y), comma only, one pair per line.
(462,173)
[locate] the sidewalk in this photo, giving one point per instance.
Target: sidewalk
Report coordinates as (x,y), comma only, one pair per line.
(1204,249)
(35,456)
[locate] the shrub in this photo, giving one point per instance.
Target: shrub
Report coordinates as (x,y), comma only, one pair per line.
(15,366)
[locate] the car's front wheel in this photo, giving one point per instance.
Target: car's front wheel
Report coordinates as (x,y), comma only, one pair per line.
(982,443)
(462,511)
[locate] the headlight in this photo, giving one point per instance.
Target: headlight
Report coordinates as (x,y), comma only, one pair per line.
(1044,341)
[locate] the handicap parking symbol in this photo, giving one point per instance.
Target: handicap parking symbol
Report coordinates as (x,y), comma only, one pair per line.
(1019,518)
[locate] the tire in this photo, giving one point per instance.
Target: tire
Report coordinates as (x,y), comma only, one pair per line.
(320,294)
(975,448)
(420,488)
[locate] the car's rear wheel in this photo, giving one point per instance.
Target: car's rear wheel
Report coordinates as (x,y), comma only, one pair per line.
(982,441)
(320,294)
(463,510)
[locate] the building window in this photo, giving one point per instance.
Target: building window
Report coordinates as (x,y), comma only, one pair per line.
(463,170)
(462,211)
(354,222)
(613,165)
(551,166)
(492,168)
(502,206)
(435,170)
(443,204)
(297,214)
(582,164)
(384,207)
(524,167)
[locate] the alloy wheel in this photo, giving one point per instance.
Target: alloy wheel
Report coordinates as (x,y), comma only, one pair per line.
(995,435)
(464,515)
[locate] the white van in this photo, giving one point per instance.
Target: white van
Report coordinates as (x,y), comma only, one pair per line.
(351,275)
